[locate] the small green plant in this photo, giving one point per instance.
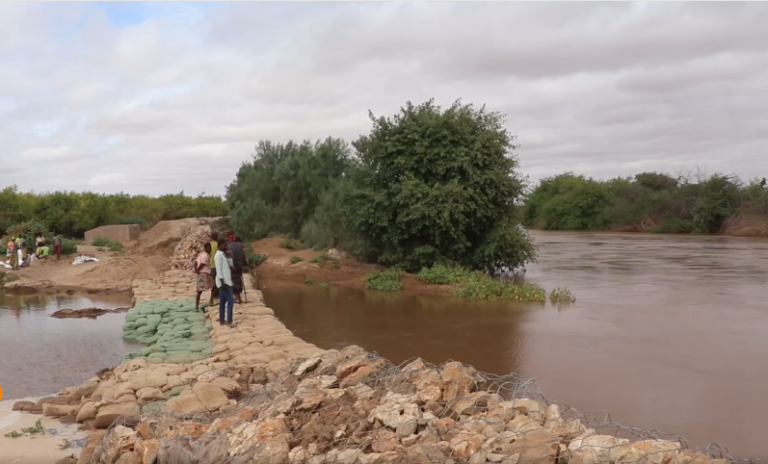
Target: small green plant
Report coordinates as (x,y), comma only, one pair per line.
(388,281)
(309,280)
(478,286)
(561,295)
(36,429)
(291,244)
(441,275)
(254,259)
(296,259)
(323,258)
(116,247)
(101,242)
(323,286)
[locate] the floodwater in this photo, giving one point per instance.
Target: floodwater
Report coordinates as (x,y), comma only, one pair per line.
(40,355)
(668,333)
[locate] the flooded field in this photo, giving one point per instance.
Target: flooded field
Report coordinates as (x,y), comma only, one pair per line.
(668,332)
(41,355)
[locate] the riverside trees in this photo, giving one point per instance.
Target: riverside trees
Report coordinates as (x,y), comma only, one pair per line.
(425,186)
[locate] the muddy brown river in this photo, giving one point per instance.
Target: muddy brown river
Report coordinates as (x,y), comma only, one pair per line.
(40,355)
(668,333)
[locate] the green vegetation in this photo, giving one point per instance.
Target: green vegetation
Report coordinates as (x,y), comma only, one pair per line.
(296,259)
(309,280)
(323,258)
(323,286)
(479,286)
(427,185)
(102,243)
(254,259)
(36,429)
(387,281)
(71,213)
(650,202)
(291,244)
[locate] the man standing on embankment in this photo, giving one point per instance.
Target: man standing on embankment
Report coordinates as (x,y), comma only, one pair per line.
(224,283)
(212,265)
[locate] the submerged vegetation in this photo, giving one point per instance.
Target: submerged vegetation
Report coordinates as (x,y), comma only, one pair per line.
(650,202)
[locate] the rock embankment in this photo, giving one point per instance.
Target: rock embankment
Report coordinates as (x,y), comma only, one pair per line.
(257,394)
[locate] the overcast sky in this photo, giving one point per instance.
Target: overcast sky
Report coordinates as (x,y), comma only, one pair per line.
(159,98)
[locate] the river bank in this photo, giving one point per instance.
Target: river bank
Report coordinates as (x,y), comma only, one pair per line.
(266,396)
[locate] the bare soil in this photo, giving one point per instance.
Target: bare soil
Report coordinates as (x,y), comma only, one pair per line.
(113,273)
(350,272)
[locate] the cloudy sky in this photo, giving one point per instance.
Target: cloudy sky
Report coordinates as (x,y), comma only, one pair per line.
(158,98)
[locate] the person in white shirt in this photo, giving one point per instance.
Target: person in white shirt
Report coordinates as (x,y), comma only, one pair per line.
(224,282)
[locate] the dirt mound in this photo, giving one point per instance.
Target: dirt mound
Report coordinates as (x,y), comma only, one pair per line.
(162,238)
(344,271)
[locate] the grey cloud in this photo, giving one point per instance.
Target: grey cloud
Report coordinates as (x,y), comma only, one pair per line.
(179,101)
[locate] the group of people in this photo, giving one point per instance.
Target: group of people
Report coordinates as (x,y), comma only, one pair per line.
(17,252)
(219,268)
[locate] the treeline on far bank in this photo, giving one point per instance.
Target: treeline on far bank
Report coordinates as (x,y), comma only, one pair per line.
(72,214)
(650,202)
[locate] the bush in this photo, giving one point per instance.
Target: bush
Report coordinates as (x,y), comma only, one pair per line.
(388,281)
(254,259)
(101,242)
(296,259)
(437,185)
(291,244)
(478,286)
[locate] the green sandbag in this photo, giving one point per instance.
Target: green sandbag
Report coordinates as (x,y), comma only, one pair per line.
(156,360)
(184,326)
(196,357)
(160,310)
(152,339)
(207,352)
(198,337)
(153,407)
(128,325)
(184,334)
(139,322)
(131,317)
(130,335)
(146,310)
(153,319)
(176,391)
(157,356)
(143,329)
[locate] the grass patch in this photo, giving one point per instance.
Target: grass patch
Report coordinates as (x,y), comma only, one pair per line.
(291,244)
(254,259)
(323,258)
(323,286)
(296,259)
(478,286)
(102,243)
(309,280)
(36,429)
(441,275)
(387,281)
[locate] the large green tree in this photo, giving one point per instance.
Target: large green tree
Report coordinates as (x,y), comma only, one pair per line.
(437,185)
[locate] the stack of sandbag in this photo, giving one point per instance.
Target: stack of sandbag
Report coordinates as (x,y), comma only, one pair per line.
(174,331)
(190,245)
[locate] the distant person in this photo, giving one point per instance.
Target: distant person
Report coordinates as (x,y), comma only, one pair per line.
(39,243)
(10,250)
(24,251)
(238,263)
(203,271)
(212,264)
(57,246)
(224,283)
(19,254)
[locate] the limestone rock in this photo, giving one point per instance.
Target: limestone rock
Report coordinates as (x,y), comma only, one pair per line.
(109,413)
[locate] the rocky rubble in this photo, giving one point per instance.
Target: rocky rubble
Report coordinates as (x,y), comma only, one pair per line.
(190,245)
(350,407)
